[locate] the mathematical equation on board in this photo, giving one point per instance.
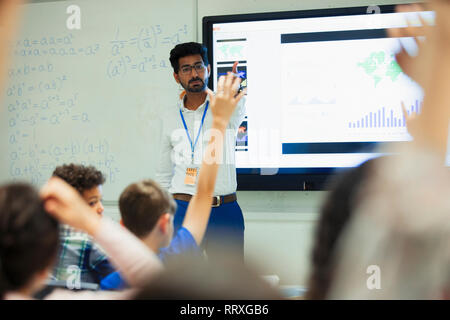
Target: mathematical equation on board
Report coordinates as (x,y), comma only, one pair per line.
(138,52)
(26,70)
(87,51)
(23,88)
(39,93)
(40,96)
(54,46)
(50,110)
(36,163)
(42,106)
(124,64)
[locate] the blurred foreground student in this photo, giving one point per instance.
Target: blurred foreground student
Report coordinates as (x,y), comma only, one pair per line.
(148,211)
(397,244)
(79,258)
(336,212)
(224,278)
(9,20)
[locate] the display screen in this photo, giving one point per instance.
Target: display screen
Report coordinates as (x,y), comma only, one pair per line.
(323,90)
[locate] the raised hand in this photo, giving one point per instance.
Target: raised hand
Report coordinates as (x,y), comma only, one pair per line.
(415,67)
(411,121)
(431,70)
(222,105)
(225,100)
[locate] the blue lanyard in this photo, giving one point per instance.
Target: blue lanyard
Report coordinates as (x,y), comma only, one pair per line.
(199,130)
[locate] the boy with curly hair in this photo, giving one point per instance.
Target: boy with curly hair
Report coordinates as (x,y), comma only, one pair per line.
(80,260)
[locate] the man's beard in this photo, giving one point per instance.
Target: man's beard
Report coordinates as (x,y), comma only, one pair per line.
(195,89)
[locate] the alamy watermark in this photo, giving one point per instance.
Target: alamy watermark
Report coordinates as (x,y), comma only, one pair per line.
(374,280)
(73,22)
(374,21)
(73,282)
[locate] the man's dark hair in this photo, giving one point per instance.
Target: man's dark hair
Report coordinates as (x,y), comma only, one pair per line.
(336,212)
(80,177)
(187,49)
(141,204)
(29,237)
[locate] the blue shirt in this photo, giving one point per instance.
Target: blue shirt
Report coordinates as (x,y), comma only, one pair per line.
(182,244)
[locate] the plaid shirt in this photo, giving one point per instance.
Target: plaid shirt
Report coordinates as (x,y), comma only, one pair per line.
(79,258)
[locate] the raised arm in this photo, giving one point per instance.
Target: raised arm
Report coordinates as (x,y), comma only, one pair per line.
(9,18)
(222,108)
(431,70)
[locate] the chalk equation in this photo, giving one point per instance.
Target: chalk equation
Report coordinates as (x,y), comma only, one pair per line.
(30,69)
(45,41)
(87,51)
(22,88)
(53,110)
(36,163)
(139,52)
(54,46)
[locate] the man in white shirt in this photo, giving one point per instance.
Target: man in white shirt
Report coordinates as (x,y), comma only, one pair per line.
(186,132)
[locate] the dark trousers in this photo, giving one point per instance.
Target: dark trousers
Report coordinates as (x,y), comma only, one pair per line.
(225,229)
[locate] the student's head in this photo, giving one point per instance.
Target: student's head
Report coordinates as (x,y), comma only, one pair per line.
(87,181)
(147,210)
(336,212)
(28,239)
(190,65)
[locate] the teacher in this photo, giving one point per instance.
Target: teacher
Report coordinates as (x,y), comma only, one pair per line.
(185,137)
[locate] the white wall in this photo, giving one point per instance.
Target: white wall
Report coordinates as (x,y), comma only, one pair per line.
(279,232)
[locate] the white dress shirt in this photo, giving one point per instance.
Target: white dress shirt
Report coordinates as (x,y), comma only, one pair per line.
(176,155)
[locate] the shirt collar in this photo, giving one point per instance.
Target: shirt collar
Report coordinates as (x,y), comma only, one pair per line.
(200,108)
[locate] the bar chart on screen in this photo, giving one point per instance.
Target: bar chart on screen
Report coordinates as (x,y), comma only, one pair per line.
(384,118)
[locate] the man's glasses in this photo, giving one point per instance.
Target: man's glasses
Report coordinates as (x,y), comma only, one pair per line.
(199,68)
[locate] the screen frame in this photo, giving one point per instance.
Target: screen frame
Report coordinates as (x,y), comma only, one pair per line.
(305,179)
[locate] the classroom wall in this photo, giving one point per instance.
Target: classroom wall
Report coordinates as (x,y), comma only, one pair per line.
(279,225)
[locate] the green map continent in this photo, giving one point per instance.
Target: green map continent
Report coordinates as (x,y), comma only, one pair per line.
(371,63)
(393,70)
(379,66)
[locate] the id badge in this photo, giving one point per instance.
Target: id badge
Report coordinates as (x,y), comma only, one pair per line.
(191,176)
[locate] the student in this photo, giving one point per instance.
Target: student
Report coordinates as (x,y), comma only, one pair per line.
(148,211)
(77,252)
(336,212)
(29,241)
(396,247)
